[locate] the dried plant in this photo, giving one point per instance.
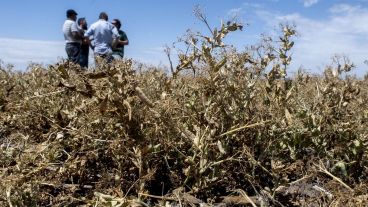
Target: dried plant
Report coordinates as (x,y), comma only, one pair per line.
(226,126)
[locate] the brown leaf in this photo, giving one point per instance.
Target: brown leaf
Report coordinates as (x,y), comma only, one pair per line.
(104,105)
(288,117)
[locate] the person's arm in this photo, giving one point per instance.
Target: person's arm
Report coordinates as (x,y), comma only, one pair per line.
(124,40)
(88,36)
(76,32)
(115,32)
(115,37)
(121,43)
(89,33)
(91,44)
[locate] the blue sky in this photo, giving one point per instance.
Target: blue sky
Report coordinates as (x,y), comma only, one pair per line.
(31,30)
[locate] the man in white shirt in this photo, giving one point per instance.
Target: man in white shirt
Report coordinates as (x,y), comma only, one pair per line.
(72,36)
(104,34)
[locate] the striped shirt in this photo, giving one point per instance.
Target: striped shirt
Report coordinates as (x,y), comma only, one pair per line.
(69,27)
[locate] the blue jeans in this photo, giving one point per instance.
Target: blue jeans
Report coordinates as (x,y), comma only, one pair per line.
(73,50)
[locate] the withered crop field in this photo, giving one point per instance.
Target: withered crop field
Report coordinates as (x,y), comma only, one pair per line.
(222,128)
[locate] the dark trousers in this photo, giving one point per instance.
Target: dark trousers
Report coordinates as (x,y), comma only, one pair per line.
(73,50)
(83,59)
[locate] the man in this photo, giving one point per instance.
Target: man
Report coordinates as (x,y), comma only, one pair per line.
(103,33)
(118,50)
(82,24)
(72,36)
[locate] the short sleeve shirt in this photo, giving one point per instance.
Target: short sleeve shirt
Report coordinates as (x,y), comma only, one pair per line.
(68,28)
(103,33)
(123,37)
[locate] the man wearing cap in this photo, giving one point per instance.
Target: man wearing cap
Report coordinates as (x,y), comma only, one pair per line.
(104,34)
(72,36)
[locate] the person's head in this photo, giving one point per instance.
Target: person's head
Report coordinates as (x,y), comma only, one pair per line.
(104,16)
(71,14)
(116,23)
(82,23)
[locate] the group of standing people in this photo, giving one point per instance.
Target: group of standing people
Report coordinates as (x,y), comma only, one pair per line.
(106,39)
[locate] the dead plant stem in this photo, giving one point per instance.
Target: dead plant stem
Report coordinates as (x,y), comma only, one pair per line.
(324,170)
(244,127)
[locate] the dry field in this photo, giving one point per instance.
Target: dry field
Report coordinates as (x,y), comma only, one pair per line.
(226,128)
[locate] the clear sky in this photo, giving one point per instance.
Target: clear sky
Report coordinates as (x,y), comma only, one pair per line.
(31,30)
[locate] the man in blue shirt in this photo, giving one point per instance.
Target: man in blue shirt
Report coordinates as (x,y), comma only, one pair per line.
(104,34)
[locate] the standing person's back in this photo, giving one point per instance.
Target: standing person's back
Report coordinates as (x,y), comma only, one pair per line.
(103,33)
